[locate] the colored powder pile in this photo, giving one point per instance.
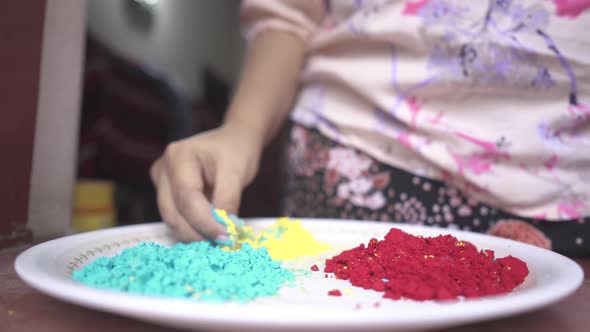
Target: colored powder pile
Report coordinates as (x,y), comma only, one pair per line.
(427,268)
(197,270)
(286,239)
(236,230)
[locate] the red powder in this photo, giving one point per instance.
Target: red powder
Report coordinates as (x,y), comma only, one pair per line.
(427,268)
(335,292)
(315,268)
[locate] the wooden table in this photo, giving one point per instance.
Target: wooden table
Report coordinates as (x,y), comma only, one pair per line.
(24,309)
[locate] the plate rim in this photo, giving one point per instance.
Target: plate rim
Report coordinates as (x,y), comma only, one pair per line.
(353,321)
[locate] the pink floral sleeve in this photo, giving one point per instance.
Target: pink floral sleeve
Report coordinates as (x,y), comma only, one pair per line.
(300,18)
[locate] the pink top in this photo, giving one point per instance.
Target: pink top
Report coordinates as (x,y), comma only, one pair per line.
(491,96)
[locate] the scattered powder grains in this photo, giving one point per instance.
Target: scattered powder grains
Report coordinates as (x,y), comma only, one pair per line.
(286,239)
(427,268)
(196,270)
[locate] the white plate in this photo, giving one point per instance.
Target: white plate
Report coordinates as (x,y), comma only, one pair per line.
(47,267)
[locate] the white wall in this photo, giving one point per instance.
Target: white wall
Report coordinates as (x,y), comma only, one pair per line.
(186,36)
(58,110)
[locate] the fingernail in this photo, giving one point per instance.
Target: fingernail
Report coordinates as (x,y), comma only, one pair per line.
(222,238)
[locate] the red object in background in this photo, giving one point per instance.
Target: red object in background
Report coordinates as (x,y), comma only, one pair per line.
(21,37)
(427,268)
(335,292)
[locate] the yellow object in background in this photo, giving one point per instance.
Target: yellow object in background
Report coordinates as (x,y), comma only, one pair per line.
(94,206)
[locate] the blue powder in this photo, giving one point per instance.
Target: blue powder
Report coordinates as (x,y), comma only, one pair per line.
(197,270)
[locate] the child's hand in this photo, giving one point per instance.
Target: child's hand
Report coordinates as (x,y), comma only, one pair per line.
(214,167)
(208,168)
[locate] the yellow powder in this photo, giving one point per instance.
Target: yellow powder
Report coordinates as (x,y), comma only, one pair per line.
(286,239)
(238,232)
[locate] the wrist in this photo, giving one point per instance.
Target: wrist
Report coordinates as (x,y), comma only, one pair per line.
(246,134)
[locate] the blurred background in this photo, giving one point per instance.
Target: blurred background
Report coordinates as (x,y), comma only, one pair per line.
(93,91)
(155,71)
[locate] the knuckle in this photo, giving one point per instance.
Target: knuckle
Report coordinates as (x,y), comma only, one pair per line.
(171,150)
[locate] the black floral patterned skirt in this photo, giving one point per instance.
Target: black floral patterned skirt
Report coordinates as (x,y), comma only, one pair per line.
(328,180)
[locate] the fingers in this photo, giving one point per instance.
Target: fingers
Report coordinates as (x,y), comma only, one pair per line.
(170,214)
(186,186)
(227,191)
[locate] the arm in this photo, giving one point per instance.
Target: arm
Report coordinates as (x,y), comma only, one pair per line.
(268,84)
(215,166)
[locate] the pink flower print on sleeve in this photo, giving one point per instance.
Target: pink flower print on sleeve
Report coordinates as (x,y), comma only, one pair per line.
(551,162)
(404,138)
(580,110)
(478,163)
(490,148)
(414,109)
(473,163)
(435,120)
(568,126)
(571,209)
(413,7)
(396,130)
(570,8)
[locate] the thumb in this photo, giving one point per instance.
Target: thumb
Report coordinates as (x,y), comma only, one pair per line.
(227,191)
